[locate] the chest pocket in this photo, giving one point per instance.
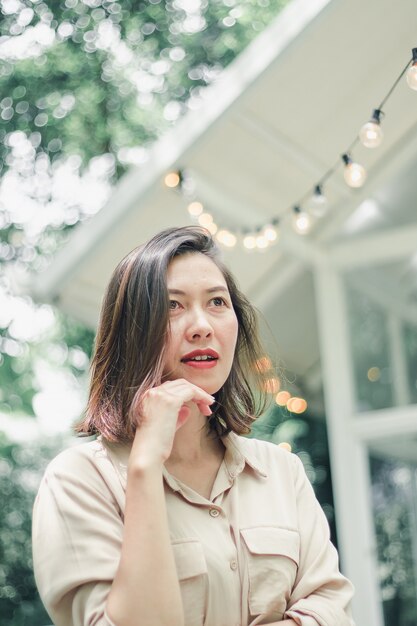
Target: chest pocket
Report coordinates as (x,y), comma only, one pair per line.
(192,573)
(272,558)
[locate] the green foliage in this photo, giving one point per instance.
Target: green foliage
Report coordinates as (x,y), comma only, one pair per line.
(21,468)
(62,343)
(104,81)
(395,521)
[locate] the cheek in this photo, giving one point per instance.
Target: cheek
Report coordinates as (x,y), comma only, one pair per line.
(170,346)
(231,331)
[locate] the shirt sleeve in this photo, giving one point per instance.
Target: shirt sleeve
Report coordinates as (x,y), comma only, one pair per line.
(76,538)
(321,594)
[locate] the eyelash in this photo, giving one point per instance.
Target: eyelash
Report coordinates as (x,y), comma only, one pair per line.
(223,301)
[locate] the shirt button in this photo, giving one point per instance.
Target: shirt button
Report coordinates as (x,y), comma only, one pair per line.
(233,565)
(214,512)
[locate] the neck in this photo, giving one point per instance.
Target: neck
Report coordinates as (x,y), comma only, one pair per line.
(193,443)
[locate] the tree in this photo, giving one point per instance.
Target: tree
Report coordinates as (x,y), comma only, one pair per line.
(89,85)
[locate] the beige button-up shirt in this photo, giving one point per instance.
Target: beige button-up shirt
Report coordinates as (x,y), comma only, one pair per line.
(255,552)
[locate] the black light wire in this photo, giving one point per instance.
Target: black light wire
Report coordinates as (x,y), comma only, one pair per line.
(319,185)
(348,151)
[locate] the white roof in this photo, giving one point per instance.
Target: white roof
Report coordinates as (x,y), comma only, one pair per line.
(275,121)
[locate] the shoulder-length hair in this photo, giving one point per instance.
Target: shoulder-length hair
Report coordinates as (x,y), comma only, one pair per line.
(130,344)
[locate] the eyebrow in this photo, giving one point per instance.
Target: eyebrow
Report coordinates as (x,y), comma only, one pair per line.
(178,292)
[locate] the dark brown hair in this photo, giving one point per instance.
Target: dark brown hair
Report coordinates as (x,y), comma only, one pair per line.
(130,343)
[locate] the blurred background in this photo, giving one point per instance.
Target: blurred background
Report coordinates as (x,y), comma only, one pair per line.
(118,119)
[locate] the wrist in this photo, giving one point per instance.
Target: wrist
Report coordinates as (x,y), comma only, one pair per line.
(144,466)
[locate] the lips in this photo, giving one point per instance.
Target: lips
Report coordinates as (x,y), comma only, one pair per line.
(208,352)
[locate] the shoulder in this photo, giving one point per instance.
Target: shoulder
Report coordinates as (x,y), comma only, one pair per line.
(81,478)
(85,464)
(266,455)
(78,456)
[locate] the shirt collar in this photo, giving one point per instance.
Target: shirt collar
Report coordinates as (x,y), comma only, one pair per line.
(238,453)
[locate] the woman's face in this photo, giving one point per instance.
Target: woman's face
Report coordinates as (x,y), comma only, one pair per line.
(203,326)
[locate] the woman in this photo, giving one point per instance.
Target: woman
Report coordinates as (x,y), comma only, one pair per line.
(170,517)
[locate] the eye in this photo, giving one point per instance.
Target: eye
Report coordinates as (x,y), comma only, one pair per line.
(218,301)
(173,305)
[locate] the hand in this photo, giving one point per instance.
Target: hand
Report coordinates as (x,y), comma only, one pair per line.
(286,622)
(162,411)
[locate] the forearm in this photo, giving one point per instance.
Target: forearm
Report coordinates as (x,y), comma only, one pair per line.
(146,582)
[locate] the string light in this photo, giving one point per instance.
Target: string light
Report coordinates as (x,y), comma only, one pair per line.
(261,242)
(270,232)
(297,405)
(301,221)
(412,72)
(205,219)
(318,204)
(354,174)
(249,241)
(227,238)
(212,228)
(173,179)
(282,398)
(374,374)
(371,134)
(195,208)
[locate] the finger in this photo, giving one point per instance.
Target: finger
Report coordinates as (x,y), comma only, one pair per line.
(188,398)
(183,415)
(204,408)
(198,393)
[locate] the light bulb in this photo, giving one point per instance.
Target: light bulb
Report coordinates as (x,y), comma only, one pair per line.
(302,222)
(226,238)
(371,133)
(354,174)
(212,228)
(412,76)
(249,241)
(318,205)
(205,219)
(188,185)
(296,405)
(261,242)
(270,233)
(282,398)
(412,72)
(195,208)
(172,179)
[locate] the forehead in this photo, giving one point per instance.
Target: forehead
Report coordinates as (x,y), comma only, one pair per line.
(193,269)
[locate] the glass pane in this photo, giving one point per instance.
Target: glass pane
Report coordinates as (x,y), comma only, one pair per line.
(370,351)
(410,347)
(394,494)
(383,334)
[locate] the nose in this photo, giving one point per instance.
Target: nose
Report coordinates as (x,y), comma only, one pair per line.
(199,325)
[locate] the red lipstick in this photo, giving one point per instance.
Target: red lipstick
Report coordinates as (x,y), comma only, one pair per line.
(201,359)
